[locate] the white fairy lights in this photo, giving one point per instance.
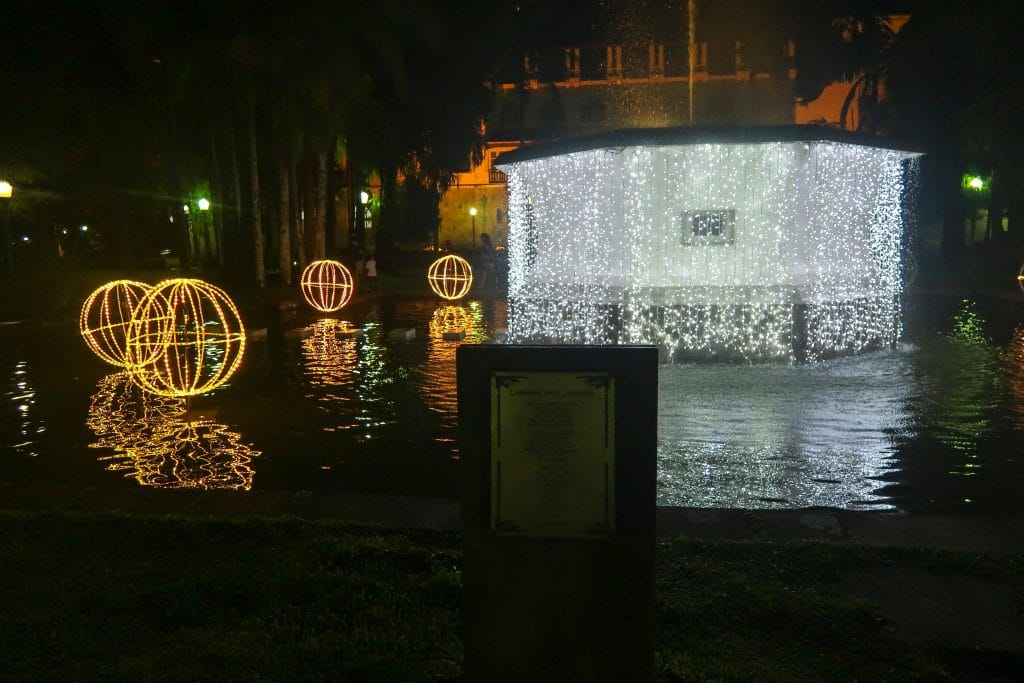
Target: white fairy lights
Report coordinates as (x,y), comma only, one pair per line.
(763,250)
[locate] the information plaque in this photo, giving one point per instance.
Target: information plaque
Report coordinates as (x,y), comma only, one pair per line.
(553,454)
(558,469)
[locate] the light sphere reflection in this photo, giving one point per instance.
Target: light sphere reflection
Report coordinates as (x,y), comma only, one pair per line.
(155,441)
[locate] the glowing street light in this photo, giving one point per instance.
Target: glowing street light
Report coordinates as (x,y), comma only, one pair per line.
(204,204)
(6,192)
(363,197)
(974,182)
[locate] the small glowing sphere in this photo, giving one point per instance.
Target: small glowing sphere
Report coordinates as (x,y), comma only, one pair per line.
(105,317)
(450,277)
(196,333)
(327,285)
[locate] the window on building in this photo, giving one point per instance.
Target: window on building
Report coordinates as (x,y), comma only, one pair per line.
(709,226)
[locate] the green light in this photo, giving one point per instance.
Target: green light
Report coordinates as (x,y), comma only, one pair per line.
(974,182)
(204,204)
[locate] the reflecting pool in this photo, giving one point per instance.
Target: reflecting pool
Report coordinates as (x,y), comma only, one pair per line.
(360,404)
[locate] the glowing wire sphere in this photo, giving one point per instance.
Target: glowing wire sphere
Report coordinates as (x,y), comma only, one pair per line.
(450,277)
(327,285)
(105,317)
(196,334)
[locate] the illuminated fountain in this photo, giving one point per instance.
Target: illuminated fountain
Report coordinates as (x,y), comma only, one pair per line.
(775,243)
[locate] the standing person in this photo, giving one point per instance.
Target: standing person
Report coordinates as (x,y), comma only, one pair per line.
(486,259)
(371,273)
(360,261)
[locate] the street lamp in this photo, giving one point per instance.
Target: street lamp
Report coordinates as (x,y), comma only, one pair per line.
(472,215)
(6,192)
(204,204)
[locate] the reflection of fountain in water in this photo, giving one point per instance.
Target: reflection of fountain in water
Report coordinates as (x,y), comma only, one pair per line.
(158,445)
(346,368)
(772,436)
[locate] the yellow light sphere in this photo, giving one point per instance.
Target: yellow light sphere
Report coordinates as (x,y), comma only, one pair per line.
(198,332)
(450,277)
(105,316)
(327,285)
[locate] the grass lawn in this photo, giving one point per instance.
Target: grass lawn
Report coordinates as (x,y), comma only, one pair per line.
(86,596)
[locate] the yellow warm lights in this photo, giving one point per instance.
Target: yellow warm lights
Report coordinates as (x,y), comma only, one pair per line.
(193,331)
(327,285)
(105,317)
(157,443)
(450,277)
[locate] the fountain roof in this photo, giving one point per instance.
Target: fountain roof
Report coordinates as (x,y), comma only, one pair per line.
(637,137)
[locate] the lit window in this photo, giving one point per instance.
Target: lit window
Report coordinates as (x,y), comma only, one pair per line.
(713,226)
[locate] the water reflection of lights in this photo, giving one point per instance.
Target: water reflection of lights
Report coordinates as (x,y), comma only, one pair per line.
(21,395)
(772,436)
(1015,376)
(963,395)
(439,387)
(348,368)
(158,444)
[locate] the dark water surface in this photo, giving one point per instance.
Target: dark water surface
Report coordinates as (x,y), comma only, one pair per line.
(934,426)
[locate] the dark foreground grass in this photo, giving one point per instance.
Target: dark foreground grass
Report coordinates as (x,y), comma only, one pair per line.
(86,596)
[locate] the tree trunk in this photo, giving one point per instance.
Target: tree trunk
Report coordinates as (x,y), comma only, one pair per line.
(284,213)
(320,206)
(388,211)
(298,223)
(254,184)
(217,192)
